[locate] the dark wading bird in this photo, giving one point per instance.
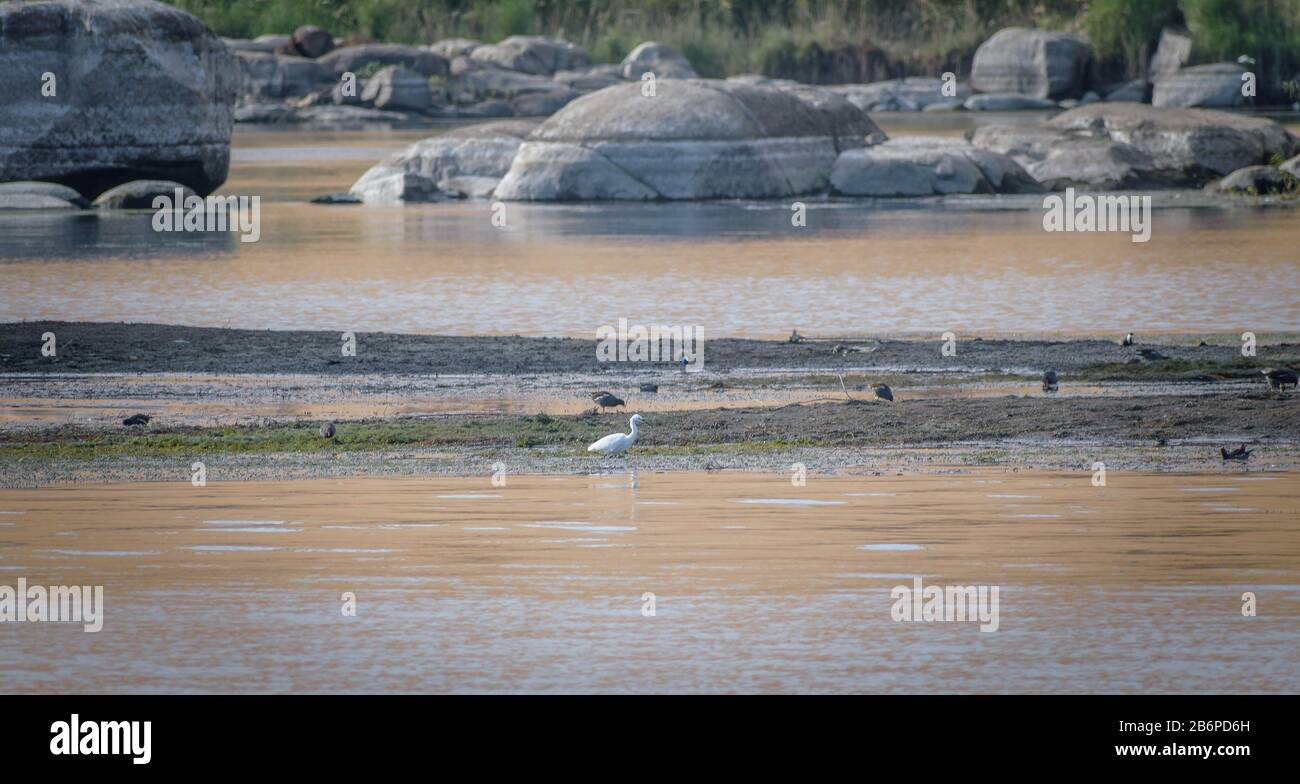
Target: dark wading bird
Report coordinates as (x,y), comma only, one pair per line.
(606,400)
(1050,383)
(1240,453)
(1280,378)
(136,419)
(1151,355)
(327,430)
(883,392)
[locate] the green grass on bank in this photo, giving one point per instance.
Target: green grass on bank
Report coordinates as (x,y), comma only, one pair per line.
(790,37)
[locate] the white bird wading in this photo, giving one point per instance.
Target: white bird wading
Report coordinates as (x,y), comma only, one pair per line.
(614,443)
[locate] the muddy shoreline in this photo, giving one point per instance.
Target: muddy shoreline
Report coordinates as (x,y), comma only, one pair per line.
(160,348)
(757,405)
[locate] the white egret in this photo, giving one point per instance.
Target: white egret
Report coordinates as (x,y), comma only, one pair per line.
(614,443)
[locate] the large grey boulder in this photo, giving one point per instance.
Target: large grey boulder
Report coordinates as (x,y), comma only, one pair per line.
(910,94)
(431,168)
(1217,85)
(1038,63)
(659,59)
(1199,143)
(927,166)
(141,90)
(531,54)
(1172,53)
(395,88)
(351,59)
(271,76)
(1062,159)
(1126,145)
(692,139)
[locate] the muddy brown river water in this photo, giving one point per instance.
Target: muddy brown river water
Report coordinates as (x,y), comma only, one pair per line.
(736,269)
(759,585)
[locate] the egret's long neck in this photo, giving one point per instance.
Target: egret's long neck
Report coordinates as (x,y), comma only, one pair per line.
(633,434)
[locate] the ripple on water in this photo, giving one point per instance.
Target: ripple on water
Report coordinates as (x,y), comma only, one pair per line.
(789,501)
(470,496)
(890,547)
(103,553)
(1209,489)
(230,548)
(581,527)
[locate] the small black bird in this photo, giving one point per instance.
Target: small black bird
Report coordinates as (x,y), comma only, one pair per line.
(648,387)
(1240,453)
(136,419)
(327,430)
(1050,383)
(1151,355)
(606,400)
(1280,378)
(1128,340)
(883,392)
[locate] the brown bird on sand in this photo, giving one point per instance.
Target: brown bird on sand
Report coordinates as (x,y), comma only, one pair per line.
(883,392)
(1240,453)
(604,399)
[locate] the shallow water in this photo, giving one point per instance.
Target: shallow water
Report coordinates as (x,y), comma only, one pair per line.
(759,585)
(732,268)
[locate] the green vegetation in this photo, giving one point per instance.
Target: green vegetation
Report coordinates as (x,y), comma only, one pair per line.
(1182,370)
(799,38)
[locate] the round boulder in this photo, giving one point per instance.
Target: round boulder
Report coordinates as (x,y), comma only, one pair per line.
(312,41)
(688,139)
(1039,63)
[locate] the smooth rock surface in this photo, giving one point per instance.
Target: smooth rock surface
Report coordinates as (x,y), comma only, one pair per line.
(531,54)
(139,195)
(270,76)
(1216,86)
(142,90)
(927,166)
(694,139)
(1037,63)
(396,88)
(476,151)
(51,190)
(1125,145)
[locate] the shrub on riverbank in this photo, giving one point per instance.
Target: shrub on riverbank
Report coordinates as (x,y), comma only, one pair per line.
(797,38)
